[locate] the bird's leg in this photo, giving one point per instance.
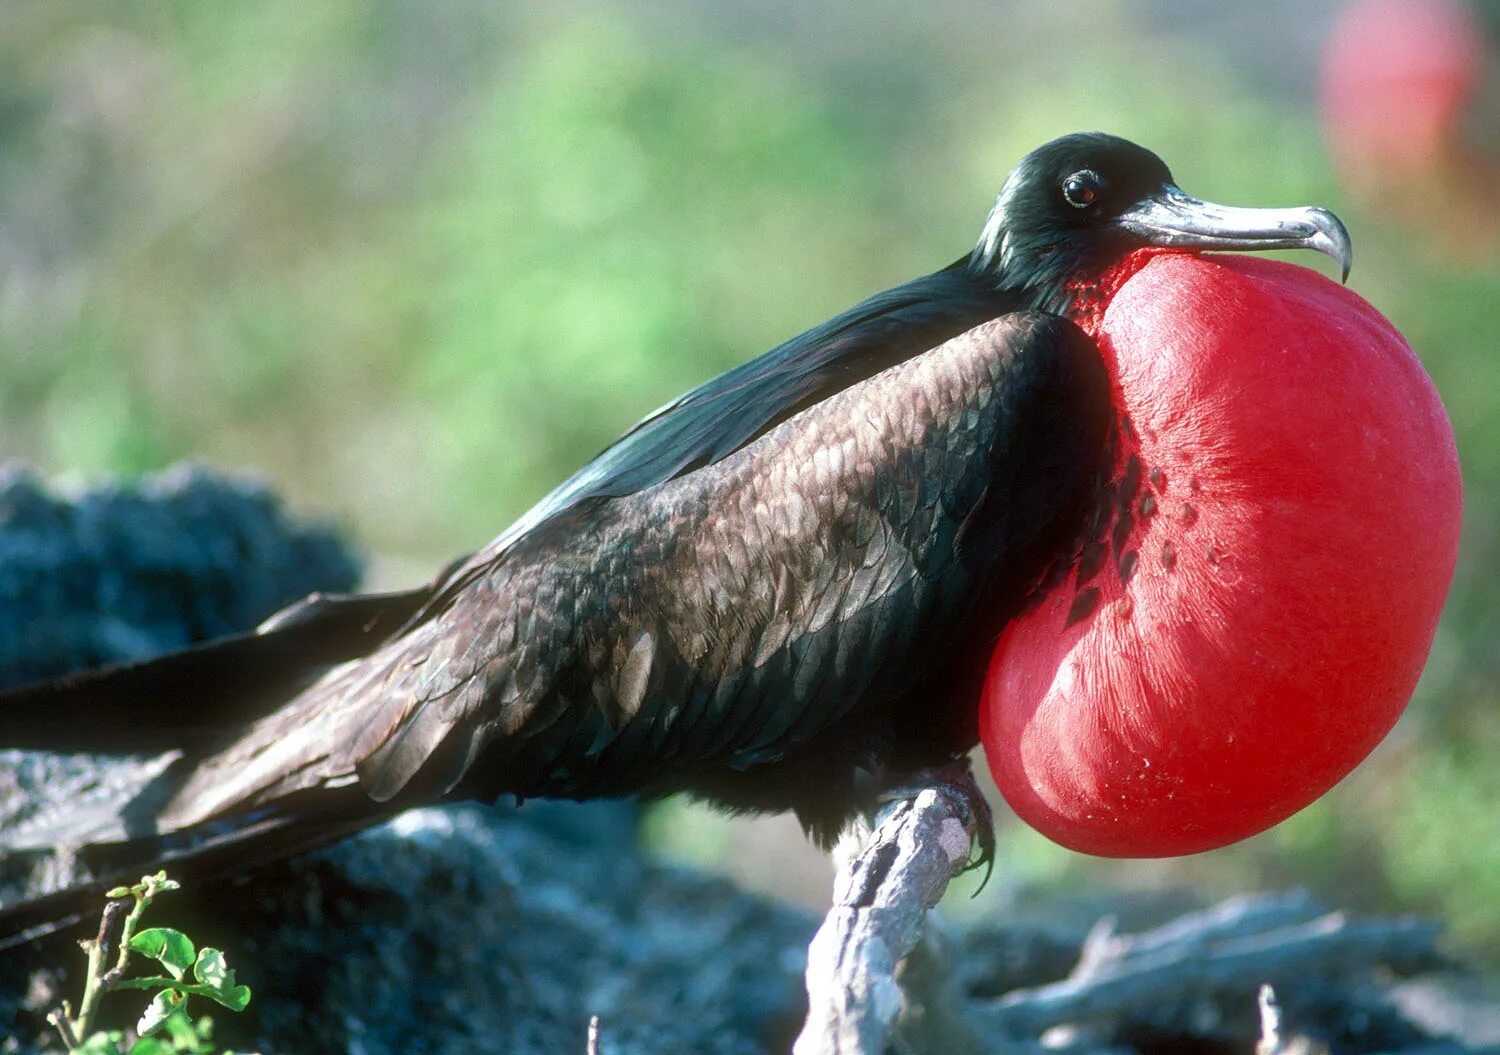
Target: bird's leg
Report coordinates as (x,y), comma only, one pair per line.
(955,782)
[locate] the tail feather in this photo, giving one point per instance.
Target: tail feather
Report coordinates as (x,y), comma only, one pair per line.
(187,697)
(180,709)
(233,847)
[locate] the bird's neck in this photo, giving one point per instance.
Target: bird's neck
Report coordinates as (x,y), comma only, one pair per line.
(1121,499)
(1086,296)
(1038,280)
(1062,281)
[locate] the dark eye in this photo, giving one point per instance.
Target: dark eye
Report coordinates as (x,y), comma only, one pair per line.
(1083,189)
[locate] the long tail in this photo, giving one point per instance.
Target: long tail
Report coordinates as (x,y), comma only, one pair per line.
(204,692)
(178,708)
(250,843)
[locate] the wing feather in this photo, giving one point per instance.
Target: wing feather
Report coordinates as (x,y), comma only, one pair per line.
(766,606)
(728,618)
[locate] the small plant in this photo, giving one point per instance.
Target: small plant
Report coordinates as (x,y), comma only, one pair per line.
(165,1027)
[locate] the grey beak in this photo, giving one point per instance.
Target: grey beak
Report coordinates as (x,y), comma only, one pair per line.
(1172,218)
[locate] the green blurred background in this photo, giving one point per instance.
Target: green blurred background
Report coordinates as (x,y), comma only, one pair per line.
(415,262)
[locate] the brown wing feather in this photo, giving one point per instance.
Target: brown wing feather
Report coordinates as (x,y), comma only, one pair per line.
(724,619)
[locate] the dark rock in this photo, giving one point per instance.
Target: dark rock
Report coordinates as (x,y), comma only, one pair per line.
(465,929)
(120,572)
(123,571)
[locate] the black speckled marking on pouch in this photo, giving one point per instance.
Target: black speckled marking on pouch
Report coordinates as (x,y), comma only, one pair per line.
(1083,605)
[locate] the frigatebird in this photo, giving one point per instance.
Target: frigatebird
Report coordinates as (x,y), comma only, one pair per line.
(777,592)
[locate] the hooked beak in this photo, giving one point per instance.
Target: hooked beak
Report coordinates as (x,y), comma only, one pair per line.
(1172,218)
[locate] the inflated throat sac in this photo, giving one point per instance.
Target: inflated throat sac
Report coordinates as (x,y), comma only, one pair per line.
(1257,609)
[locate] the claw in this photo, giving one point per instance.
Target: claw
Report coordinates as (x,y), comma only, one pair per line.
(955,781)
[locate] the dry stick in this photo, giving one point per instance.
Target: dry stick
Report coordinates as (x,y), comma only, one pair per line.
(880,900)
(1245,915)
(1328,944)
(1271,1041)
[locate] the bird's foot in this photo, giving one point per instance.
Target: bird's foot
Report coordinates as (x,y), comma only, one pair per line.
(955,782)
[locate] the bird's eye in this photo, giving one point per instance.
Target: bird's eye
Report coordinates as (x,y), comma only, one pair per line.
(1083,189)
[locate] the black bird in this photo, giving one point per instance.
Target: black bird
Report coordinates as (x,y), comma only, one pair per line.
(778,592)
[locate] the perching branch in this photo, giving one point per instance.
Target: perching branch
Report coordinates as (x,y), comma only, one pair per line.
(876,976)
(880,901)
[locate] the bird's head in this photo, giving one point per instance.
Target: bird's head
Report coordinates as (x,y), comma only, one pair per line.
(1078,204)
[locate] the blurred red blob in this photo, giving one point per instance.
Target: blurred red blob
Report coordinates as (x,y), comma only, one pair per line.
(1400,79)
(1285,528)
(1397,75)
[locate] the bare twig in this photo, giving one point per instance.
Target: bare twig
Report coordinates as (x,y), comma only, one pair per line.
(1275,1038)
(880,901)
(1236,917)
(1270,1042)
(1190,965)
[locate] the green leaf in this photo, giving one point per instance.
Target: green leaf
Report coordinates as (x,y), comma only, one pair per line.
(119,891)
(151,1046)
(185,1033)
(158,1011)
(212,969)
(213,972)
(172,947)
(102,1044)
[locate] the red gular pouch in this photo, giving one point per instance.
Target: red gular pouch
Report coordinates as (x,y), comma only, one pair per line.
(1262,595)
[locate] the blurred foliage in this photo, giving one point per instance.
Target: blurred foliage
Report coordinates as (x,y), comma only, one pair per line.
(416,262)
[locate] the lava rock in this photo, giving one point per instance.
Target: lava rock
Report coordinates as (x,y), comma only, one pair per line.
(123,571)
